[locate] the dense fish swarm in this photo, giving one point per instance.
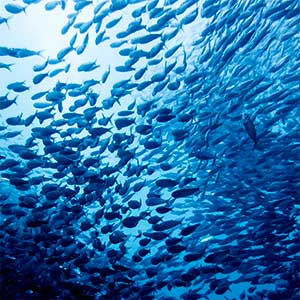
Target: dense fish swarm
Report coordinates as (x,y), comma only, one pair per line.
(172,175)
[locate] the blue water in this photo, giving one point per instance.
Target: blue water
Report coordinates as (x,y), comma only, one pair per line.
(149,149)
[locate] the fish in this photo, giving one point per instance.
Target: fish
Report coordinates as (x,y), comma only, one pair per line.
(184,192)
(81,5)
(88,67)
(101,38)
(171,51)
(18,52)
(132,171)
(6,66)
(190,18)
(11,134)
(81,49)
(15,8)
(250,128)
(145,39)
(118,44)
(69,24)
(38,95)
(15,120)
(51,5)
(155,50)
(17,87)
(113,23)
(134,26)
(4,20)
(123,122)
(139,74)
(39,78)
(41,67)
(5,103)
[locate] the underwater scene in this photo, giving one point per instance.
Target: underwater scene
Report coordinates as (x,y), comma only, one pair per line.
(150,149)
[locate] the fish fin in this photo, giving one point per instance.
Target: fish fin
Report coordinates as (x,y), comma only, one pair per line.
(39,53)
(8,67)
(109,119)
(15,99)
(257,146)
(6,22)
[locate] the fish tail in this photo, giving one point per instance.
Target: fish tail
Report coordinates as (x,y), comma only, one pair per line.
(255,146)
(39,53)
(6,22)
(15,100)
(110,119)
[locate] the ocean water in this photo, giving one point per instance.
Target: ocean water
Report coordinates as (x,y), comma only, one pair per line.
(150,149)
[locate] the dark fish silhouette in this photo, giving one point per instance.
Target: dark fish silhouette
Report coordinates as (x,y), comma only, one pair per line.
(250,128)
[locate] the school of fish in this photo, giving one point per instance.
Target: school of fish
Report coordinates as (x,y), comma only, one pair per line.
(182,182)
